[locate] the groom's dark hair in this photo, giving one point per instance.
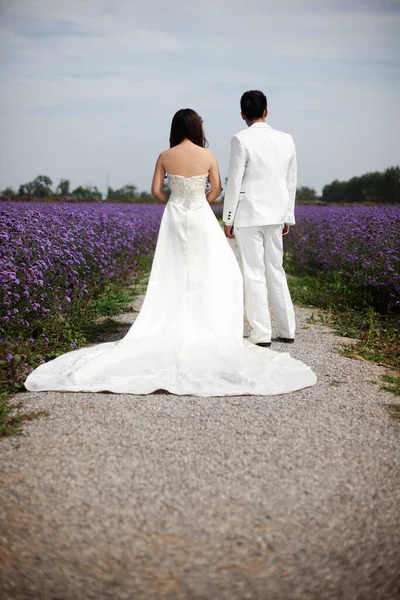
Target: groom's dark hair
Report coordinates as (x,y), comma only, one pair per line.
(253,104)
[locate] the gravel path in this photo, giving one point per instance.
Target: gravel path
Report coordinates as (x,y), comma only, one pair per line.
(165,498)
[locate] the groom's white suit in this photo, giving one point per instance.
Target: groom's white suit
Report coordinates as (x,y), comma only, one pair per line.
(259,200)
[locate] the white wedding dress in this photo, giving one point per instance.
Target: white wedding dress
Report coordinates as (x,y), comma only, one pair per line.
(188,337)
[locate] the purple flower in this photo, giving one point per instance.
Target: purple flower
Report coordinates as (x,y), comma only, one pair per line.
(353,246)
(54,258)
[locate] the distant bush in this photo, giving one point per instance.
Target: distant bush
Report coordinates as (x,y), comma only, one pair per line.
(370,188)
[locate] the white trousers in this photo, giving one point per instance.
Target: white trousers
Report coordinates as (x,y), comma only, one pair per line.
(261,251)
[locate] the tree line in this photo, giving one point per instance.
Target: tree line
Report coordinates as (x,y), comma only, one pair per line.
(41,188)
(374,188)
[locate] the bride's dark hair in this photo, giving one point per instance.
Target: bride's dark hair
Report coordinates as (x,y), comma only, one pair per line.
(186,124)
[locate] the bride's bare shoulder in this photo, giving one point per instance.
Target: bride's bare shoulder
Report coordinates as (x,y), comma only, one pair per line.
(163,156)
(211,155)
(204,152)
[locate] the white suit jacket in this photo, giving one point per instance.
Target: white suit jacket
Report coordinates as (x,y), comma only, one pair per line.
(262,178)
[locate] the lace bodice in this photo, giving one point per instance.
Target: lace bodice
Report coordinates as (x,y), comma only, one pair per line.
(187,191)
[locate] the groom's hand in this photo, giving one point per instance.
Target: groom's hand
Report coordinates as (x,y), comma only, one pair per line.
(285,229)
(228,229)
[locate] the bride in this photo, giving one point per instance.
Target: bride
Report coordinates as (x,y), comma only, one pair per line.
(188,337)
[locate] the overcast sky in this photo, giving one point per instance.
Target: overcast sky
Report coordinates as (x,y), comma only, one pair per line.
(89,87)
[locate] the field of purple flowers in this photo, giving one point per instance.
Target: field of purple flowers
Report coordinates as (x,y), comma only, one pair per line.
(354,250)
(54,260)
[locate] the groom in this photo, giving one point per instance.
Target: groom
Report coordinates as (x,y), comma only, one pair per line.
(258,210)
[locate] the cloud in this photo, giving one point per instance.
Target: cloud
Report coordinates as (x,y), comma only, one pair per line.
(34,27)
(88,88)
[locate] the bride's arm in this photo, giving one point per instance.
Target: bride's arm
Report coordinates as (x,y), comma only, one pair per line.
(214,179)
(158,180)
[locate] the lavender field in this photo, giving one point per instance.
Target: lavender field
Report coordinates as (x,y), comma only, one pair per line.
(355,249)
(55,259)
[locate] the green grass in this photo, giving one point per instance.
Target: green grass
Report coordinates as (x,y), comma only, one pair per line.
(391,383)
(100,323)
(144,263)
(11,420)
(336,383)
(377,336)
(95,331)
(113,301)
(394,410)
(306,290)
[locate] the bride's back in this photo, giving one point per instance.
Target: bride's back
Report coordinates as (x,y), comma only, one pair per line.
(187,159)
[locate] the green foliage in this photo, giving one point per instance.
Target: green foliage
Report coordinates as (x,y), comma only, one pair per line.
(378,338)
(391,383)
(87,329)
(145,197)
(129,193)
(84,325)
(306,195)
(143,266)
(11,417)
(307,290)
(8,192)
(377,187)
(98,330)
(126,193)
(62,333)
(378,335)
(64,187)
(86,192)
(394,410)
(39,187)
(112,301)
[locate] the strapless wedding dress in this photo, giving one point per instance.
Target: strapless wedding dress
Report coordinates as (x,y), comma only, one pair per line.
(188,336)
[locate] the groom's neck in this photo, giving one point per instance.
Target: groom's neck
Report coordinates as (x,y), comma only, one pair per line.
(250,123)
